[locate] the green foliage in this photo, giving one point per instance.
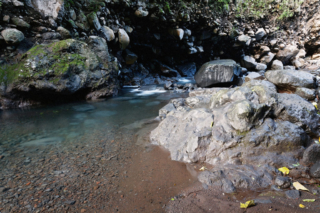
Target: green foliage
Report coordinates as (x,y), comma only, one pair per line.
(167,7)
(0,4)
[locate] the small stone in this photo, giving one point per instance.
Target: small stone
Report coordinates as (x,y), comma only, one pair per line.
(282,182)
(124,39)
(292,194)
(277,65)
(70,202)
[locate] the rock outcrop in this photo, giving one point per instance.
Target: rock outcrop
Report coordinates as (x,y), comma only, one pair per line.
(60,70)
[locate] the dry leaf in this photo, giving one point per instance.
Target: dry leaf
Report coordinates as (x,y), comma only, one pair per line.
(284,170)
(301,206)
(247,204)
(309,200)
(298,186)
(203,168)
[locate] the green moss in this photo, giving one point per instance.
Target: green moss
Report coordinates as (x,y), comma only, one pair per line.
(242,133)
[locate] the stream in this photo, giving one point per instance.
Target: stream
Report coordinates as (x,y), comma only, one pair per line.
(88,157)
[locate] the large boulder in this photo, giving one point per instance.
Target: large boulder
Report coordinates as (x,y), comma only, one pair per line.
(217,72)
(61,70)
(244,132)
(47,8)
(12,36)
(107,33)
(290,79)
(249,63)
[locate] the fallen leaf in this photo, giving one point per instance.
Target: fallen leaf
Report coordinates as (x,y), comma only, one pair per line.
(309,200)
(172,199)
(284,170)
(315,105)
(247,204)
(301,206)
(203,168)
(28,184)
(212,126)
(298,186)
(296,165)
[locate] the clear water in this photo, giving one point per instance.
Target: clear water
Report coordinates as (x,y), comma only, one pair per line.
(63,123)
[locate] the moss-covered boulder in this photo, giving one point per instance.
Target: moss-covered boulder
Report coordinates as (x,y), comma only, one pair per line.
(62,69)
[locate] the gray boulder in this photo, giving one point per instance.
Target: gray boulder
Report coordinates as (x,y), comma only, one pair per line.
(260,34)
(20,22)
(277,65)
(312,154)
(315,170)
(285,55)
(66,67)
(297,110)
(249,63)
(288,79)
(65,34)
(293,194)
(94,21)
(267,58)
(217,72)
(260,66)
(107,33)
(124,39)
(188,69)
(12,36)
(309,94)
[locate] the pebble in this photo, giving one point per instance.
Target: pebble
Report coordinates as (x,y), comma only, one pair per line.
(292,194)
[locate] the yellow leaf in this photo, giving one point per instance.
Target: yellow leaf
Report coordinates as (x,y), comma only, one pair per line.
(298,186)
(309,200)
(202,168)
(284,170)
(212,126)
(301,206)
(247,204)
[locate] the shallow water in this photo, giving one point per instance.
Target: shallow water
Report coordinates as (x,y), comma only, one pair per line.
(85,156)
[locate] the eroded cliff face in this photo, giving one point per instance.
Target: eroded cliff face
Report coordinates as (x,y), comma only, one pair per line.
(150,42)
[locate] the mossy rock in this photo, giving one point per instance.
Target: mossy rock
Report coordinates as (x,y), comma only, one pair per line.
(64,67)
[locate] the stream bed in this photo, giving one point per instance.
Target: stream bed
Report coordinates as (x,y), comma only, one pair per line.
(88,157)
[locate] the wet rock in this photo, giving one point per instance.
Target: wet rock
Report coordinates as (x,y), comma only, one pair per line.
(292,194)
(130,57)
(188,69)
(20,23)
(312,154)
(12,36)
(277,65)
(168,85)
(217,72)
(65,34)
(290,79)
(309,94)
(283,182)
(167,71)
(124,39)
(107,33)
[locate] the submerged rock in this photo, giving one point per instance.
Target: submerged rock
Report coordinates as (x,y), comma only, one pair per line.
(217,72)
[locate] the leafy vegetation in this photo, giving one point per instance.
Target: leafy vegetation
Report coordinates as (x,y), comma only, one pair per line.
(258,8)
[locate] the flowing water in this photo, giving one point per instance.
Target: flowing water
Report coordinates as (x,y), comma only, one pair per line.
(88,157)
